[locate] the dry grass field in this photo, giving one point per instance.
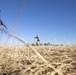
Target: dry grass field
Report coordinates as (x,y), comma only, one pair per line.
(37,60)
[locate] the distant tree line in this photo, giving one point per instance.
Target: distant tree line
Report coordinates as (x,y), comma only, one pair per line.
(46,44)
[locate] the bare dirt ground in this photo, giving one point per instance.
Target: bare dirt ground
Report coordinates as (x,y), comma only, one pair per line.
(37,60)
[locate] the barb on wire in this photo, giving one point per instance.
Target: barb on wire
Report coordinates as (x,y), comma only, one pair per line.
(2,23)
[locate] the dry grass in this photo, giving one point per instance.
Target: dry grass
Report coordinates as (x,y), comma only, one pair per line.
(37,60)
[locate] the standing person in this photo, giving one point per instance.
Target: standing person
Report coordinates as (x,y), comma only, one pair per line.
(2,23)
(38,40)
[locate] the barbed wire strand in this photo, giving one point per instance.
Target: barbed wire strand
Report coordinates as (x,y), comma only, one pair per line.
(10,38)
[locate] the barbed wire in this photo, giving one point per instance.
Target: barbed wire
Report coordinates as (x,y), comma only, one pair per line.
(9,39)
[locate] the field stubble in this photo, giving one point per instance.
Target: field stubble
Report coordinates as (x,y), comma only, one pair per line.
(37,60)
